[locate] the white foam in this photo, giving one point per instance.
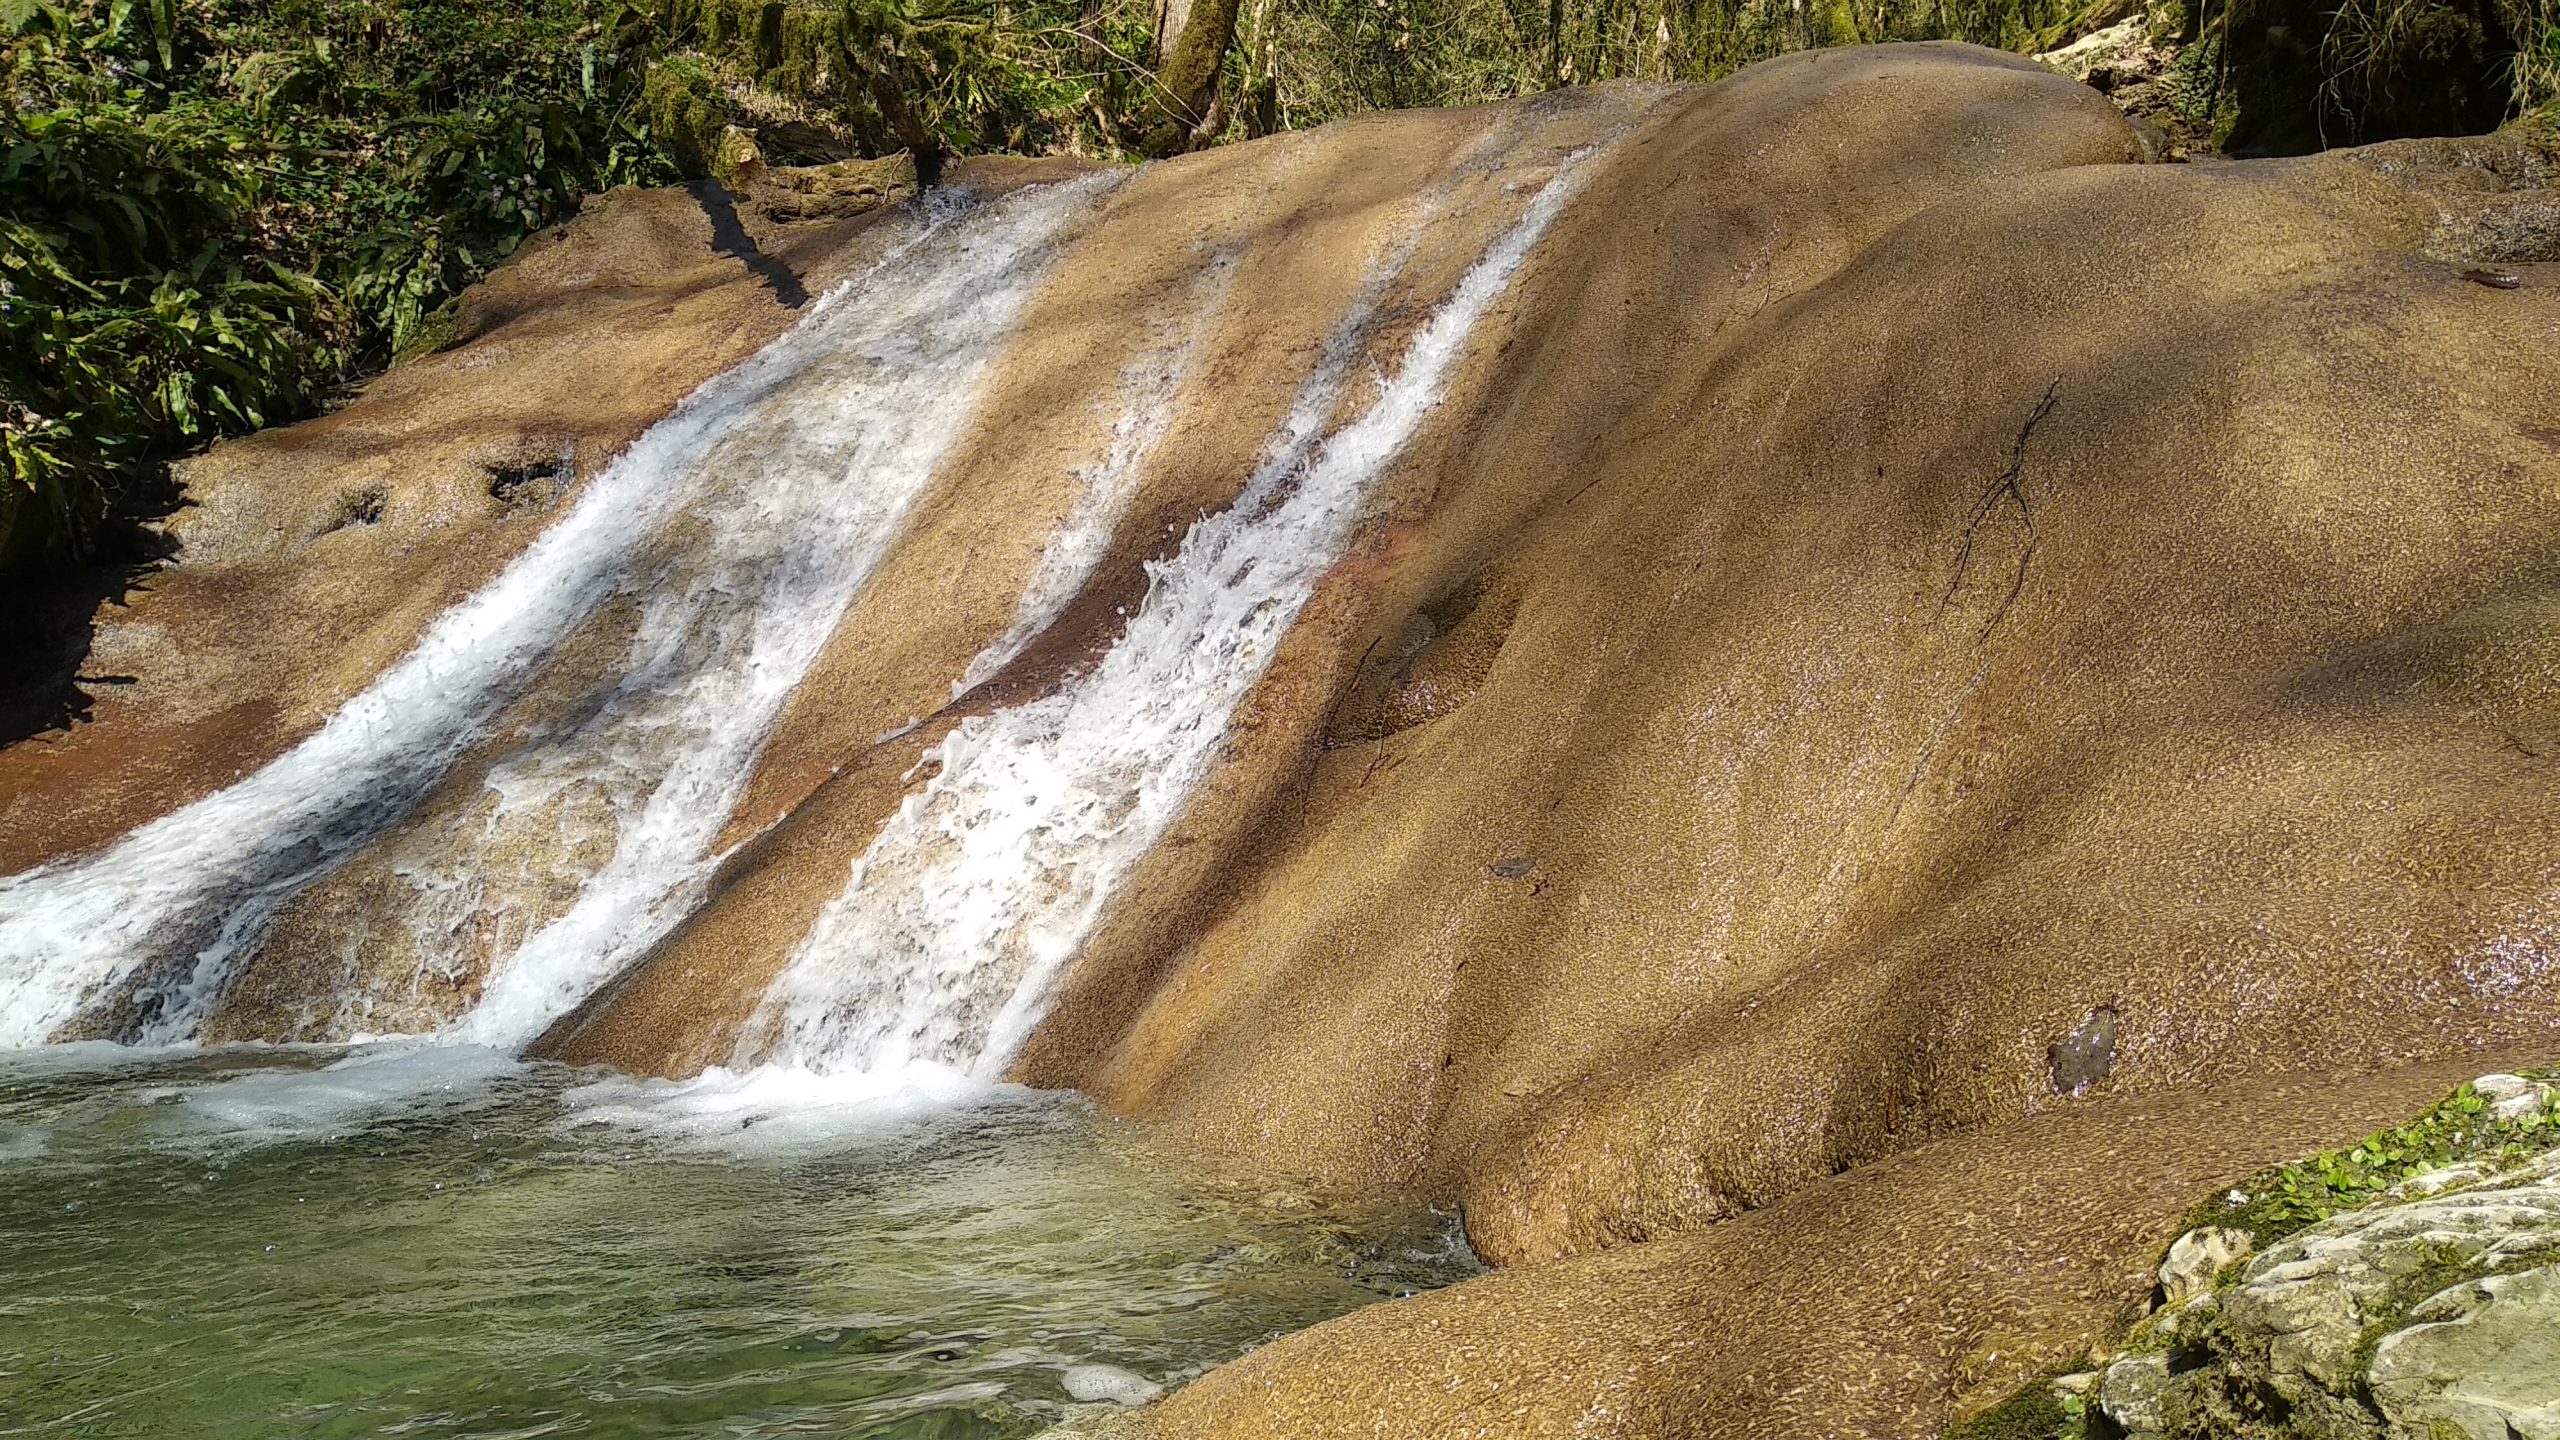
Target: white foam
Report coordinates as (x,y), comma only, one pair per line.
(814,497)
(367,1085)
(956,922)
(799,493)
(774,1112)
(1147,391)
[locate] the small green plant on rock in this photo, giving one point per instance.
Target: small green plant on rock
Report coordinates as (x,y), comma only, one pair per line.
(2035,1412)
(2280,1200)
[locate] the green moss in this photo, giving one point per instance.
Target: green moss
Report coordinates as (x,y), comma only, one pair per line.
(2034,1412)
(2280,1200)
(2441,1270)
(1835,23)
(686,112)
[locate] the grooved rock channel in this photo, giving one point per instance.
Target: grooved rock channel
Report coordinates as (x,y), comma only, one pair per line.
(1820,699)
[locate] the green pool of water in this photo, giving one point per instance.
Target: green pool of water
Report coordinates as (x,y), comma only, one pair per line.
(264,1243)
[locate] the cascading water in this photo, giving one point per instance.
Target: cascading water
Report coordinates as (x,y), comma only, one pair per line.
(1147,391)
(726,546)
(426,1233)
(956,922)
(763,503)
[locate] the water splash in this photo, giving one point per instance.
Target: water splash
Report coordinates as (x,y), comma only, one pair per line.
(786,485)
(953,928)
(1146,395)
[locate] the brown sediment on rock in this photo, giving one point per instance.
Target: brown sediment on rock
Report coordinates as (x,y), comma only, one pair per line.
(1295,227)
(2105,618)
(2115,591)
(1871,733)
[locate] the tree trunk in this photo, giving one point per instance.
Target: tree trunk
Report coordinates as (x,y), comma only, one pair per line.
(1261,99)
(1171,16)
(1190,78)
(890,98)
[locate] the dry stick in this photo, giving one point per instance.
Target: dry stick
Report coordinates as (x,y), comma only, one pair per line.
(1306,786)
(2011,484)
(1374,762)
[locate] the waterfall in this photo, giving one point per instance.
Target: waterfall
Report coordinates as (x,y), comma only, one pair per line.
(1147,391)
(955,923)
(614,687)
(763,502)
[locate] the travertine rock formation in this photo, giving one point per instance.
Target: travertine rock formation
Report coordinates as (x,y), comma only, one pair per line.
(1923,692)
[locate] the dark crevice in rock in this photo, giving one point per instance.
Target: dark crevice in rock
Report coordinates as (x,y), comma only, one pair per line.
(536,484)
(1430,666)
(360,507)
(2085,1056)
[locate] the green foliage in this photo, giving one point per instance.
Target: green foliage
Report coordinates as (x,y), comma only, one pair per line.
(1336,57)
(2397,65)
(2534,71)
(2278,1201)
(2034,1412)
(215,212)
(1029,77)
(132,327)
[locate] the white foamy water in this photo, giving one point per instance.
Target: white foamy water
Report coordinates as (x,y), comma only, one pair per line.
(1146,404)
(771,1112)
(809,503)
(774,489)
(407,1078)
(955,923)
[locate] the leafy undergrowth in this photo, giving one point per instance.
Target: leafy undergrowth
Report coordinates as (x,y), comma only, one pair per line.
(2033,1413)
(2283,1199)
(216,214)
(213,213)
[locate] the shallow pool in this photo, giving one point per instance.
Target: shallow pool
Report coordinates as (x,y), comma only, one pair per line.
(436,1242)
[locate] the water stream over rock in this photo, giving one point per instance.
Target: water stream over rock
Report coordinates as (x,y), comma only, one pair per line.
(719,555)
(1825,673)
(851,1229)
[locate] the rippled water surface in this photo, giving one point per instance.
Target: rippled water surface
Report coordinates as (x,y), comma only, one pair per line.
(448,1243)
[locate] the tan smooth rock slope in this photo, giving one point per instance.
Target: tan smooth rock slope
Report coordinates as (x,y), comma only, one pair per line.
(1925,692)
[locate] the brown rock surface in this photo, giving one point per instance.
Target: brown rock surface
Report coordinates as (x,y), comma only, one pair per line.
(1921,623)
(1728,218)
(1911,646)
(1882,1302)
(2118,589)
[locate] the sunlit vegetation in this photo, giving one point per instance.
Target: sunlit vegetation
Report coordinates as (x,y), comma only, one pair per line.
(219,214)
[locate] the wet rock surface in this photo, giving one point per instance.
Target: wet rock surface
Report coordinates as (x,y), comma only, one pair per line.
(1937,694)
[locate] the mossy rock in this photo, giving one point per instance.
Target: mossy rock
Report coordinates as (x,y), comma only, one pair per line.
(687,113)
(735,160)
(2033,1413)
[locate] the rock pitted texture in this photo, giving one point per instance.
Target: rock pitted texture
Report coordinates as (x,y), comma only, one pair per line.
(1883,1302)
(1939,692)
(2045,604)
(2430,1313)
